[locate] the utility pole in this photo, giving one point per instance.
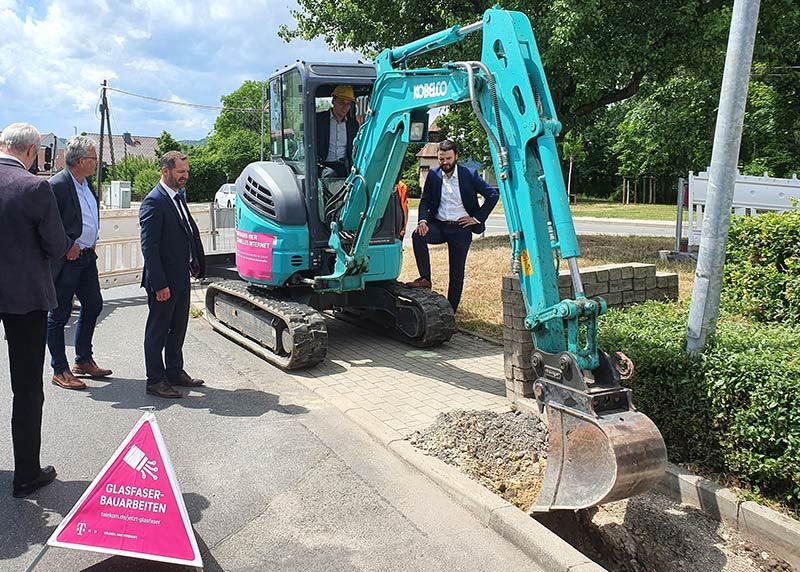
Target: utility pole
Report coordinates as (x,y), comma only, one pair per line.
(105,119)
(704,310)
(261,133)
(97,181)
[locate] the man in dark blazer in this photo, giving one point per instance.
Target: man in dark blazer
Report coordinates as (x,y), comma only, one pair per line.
(31,234)
(172,251)
(76,273)
(449,212)
(336,130)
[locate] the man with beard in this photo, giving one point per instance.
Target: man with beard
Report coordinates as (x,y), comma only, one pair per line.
(449,212)
(172,251)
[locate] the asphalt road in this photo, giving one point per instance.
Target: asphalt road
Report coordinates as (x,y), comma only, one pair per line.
(496,224)
(273,477)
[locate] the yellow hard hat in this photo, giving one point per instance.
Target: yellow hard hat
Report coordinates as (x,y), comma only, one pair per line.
(344,92)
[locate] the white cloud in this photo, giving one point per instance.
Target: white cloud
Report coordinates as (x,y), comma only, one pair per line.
(55,55)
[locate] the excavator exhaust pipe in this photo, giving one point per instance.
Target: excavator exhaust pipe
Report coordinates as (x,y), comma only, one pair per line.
(600,448)
(596,460)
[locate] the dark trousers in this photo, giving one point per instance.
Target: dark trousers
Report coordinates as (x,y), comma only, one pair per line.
(77,278)
(26,336)
(165,332)
(339,168)
(458,240)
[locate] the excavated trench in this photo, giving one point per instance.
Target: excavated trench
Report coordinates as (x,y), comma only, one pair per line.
(506,452)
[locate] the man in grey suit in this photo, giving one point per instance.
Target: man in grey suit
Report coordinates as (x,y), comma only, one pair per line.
(76,273)
(31,234)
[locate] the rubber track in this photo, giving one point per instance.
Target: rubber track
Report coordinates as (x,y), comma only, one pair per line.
(439,320)
(306,324)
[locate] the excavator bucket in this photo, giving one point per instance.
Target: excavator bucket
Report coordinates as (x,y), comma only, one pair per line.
(593,460)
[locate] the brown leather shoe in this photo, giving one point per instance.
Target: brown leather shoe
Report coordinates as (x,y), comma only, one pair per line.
(185,380)
(419,283)
(90,368)
(66,380)
(163,389)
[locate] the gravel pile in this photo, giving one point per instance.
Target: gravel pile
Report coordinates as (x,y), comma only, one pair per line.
(506,453)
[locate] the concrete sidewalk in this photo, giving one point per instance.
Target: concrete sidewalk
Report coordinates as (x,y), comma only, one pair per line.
(391,390)
(400,387)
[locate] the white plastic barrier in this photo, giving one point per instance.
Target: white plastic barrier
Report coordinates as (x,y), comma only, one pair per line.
(119,251)
(751,195)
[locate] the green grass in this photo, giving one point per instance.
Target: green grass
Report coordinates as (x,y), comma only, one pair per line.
(602,209)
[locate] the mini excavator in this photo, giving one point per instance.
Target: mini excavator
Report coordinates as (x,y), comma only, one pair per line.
(308,243)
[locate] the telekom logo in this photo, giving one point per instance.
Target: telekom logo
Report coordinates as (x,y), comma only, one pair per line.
(430,89)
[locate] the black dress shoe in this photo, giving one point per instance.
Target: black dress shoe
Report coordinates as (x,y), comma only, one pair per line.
(46,476)
(185,380)
(163,389)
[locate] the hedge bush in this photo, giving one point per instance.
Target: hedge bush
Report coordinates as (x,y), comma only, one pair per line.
(734,410)
(144,183)
(762,268)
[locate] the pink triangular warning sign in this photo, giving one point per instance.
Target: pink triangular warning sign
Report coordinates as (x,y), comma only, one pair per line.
(134,507)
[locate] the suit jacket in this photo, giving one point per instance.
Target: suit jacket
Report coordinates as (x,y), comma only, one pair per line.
(324,134)
(166,244)
(470,184)
(31,234)
(69,205)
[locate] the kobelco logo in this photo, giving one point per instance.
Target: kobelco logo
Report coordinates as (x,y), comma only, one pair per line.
(432,89)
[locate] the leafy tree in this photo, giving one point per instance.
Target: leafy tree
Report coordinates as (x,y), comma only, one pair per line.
(132,165)
(234,151)
(144,183)
(241,110)
(206,175)
(611,66)
(166,142)
(573,151)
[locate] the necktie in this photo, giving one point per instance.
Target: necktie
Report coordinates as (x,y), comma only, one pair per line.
(183,211)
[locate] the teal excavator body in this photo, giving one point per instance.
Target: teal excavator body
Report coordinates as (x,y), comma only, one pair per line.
(333,243)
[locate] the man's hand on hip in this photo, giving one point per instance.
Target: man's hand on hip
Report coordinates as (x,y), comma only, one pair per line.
(162,295)
(466,221)
(74,252)
(422,228)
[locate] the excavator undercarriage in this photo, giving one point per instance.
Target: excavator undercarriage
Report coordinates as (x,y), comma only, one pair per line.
(286,328)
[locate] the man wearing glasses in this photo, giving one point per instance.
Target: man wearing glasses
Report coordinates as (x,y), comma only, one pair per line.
(75,275)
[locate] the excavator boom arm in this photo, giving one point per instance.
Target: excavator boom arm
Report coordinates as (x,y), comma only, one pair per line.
(600,448)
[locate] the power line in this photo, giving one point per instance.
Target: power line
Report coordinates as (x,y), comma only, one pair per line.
(185,104)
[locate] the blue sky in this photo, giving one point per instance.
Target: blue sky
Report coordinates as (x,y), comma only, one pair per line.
(55,53)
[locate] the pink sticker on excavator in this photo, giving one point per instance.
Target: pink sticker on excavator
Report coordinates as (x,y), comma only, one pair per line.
(254,254)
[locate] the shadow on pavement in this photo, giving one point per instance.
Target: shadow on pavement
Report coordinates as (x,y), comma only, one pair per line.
(108,308)
(30,521)
(130,394)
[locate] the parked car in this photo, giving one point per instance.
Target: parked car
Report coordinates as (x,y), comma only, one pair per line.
(226,196)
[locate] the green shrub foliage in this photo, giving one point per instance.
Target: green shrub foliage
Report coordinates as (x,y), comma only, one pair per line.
(762,268)
(145,180)
(734,410)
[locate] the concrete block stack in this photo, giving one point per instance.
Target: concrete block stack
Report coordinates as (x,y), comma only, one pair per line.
(617,284)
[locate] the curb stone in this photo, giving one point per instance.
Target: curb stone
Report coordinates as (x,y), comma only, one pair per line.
(532,538)
(756,523)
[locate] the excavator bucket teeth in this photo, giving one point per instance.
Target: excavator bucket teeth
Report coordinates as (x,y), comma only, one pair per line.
(595,460)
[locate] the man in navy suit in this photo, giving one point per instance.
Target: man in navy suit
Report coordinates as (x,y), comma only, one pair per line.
(449,212)
(76,273)
(31,234)
(172,251)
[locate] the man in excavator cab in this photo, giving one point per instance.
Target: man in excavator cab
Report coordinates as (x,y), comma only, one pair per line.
(336,131)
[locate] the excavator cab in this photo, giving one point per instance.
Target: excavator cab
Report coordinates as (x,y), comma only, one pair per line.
(300,103)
